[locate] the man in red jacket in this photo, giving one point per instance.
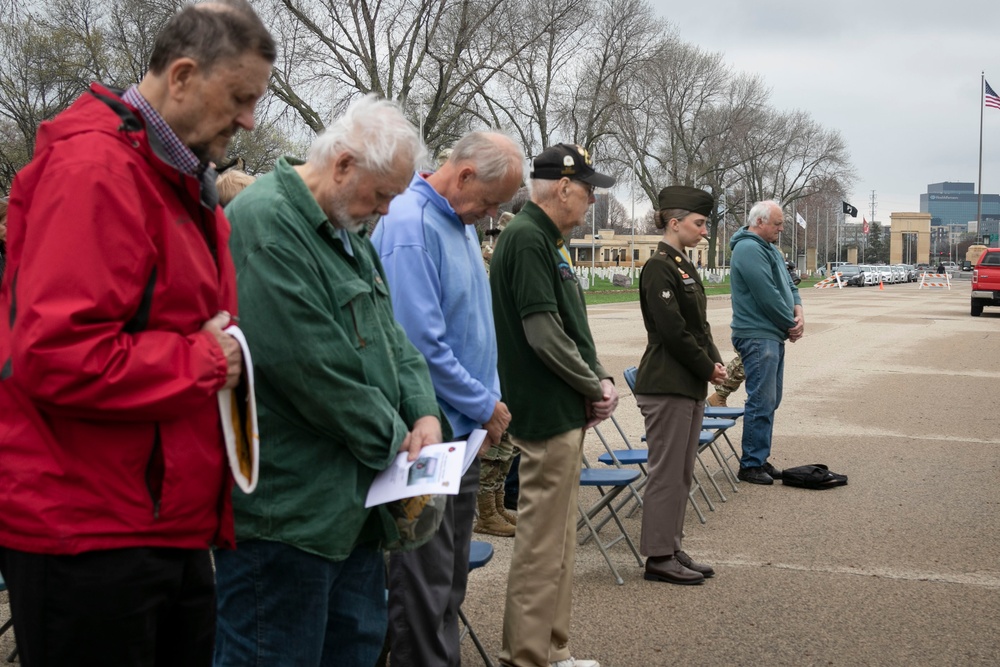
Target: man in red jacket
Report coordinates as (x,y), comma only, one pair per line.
(114,481)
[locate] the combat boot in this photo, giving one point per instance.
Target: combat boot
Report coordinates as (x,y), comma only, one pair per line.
(489,522)
(716,400)
(507,515)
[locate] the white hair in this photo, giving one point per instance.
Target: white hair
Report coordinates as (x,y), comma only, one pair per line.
(375,131)
(543,189)
(761,211)
(494,155)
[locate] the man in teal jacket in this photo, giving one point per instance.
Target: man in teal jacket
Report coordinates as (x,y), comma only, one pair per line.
(340,391)
(767,311)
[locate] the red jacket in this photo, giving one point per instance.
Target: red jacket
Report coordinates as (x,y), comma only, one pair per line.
(109,427)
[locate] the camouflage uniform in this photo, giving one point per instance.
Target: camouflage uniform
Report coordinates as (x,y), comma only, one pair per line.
(494,518)
(496,465)
(735,376)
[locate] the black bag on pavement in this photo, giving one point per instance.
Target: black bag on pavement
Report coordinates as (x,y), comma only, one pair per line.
(816,476)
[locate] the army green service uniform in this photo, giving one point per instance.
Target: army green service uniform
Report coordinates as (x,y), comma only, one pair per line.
(670,388)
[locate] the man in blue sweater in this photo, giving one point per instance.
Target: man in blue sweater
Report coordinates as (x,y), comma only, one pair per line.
(441,295)
(767,311)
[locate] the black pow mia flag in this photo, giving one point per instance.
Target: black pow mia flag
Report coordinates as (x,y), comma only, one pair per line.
(850,210)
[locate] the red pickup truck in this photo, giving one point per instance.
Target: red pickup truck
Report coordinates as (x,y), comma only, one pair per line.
(986,281)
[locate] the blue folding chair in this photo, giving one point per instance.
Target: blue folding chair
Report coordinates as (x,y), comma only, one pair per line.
(713,428)
(615,481)
(480,553)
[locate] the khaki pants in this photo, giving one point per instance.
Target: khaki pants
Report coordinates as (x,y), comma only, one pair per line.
(540,583)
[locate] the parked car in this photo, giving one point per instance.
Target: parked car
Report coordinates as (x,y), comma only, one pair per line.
(870,274)
(884,273)
(851,275)
(986,281)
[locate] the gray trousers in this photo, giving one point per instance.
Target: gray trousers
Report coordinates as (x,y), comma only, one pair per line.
(427,587)
(673,425)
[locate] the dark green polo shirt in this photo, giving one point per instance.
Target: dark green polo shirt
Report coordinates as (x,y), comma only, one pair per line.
(529,275)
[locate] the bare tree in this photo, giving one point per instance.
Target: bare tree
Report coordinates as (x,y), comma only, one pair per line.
(39,77)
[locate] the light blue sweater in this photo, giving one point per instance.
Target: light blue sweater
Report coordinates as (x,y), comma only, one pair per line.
(441,296)
(764,296)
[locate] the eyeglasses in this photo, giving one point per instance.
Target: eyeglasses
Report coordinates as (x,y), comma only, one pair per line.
(588,187)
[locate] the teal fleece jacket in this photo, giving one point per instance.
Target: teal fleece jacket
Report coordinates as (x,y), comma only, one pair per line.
(764,296)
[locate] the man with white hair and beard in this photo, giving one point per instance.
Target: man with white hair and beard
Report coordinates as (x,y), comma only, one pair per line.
(340,391)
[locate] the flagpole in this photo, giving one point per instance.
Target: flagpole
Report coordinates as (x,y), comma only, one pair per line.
(979,183)
(795,231)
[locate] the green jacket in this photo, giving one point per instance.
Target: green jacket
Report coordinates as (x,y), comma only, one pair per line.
(338,383)
(681,354)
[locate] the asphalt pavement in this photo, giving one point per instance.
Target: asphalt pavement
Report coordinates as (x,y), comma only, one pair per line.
(896,388)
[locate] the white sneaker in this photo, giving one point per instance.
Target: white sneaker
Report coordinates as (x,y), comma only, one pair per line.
(573,662)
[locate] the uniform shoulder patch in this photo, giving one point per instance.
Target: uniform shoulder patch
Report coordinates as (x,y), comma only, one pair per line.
(665,295)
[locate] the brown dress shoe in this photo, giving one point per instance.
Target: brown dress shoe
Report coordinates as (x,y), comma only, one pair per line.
(685,560)
(670,570)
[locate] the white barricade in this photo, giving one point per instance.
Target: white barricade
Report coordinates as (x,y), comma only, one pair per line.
(934,280)
(832,281)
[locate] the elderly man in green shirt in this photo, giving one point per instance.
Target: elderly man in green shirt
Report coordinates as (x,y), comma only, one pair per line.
(340,391)
(556,388)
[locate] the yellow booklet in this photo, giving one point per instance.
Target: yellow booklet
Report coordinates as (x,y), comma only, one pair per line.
(238,412)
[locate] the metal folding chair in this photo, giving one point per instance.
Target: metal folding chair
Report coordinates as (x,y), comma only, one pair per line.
(625,457)
(615,482)
(480,553)
(7,624)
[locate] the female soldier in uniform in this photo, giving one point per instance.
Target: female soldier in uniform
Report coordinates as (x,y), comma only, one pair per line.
(679,362)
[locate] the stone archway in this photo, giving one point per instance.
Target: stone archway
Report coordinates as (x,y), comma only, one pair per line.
(918,224)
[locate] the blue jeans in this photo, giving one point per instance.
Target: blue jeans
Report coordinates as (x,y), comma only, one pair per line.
(279,605)
(764,363)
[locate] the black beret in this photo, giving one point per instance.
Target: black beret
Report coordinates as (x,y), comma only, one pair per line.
(689,199)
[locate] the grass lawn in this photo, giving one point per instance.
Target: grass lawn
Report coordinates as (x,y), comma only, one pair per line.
(604,292)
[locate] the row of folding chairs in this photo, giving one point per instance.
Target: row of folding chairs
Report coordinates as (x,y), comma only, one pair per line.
(620,484)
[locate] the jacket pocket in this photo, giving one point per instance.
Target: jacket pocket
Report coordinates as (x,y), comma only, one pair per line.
(155,471)
(355,302)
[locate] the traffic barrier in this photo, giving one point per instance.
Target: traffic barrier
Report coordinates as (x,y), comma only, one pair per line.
(832,281)
(934,280)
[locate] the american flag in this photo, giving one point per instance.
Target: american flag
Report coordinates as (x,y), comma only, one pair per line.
(992,100)
(864,228)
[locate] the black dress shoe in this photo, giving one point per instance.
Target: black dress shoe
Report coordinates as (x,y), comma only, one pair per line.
(685,560)
(670,570)
(754,475)
(775,473)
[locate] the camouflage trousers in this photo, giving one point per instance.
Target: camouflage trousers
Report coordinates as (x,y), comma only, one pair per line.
(495,465)
(736,375)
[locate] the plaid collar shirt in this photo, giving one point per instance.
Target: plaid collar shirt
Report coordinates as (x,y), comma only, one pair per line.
(182,156)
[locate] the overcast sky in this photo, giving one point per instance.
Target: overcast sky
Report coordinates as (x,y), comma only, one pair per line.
(899,80)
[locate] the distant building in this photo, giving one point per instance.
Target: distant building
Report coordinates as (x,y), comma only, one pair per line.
(955,203)
(989,231)
(611,249)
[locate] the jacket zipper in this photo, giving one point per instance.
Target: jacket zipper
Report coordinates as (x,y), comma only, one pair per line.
(155,471)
